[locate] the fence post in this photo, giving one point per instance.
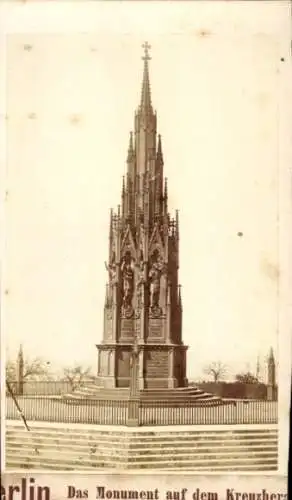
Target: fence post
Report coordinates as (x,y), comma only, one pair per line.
(134,400)
(133,412)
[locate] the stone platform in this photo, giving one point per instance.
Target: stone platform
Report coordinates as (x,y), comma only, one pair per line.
(80,447)
(183,396)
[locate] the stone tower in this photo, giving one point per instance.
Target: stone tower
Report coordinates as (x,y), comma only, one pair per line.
(143,305)
(271,368)
(271,385)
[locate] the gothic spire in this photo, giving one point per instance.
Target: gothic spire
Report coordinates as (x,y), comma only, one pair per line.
(110,234)
(20,352)
(130,149)
(271,357)
(123,198)
(165,198)
(145,104)
(159,154)
(177,223)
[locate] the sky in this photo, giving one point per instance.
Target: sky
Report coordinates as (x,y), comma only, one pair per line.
(70,102)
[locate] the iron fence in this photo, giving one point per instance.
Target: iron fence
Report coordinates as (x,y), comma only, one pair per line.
(47,387)
(120,412)
(69,411)
(229,412)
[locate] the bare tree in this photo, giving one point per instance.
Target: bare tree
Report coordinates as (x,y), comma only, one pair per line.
(10,374)
(246,378)
(217,370)
(36,369)
(77,375)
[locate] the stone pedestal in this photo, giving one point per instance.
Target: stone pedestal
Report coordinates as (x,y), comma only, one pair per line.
(159,365)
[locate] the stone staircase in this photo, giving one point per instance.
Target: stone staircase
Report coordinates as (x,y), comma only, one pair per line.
(49,446)
(189,395)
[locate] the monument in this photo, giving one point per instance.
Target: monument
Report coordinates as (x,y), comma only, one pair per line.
(143,299)
(142,354)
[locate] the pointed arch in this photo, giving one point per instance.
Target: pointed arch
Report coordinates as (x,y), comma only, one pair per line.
(128,244)
(156,242)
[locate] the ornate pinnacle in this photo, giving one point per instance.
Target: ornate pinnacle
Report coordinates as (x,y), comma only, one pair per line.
(165,188)
(20,352)
(165,192)
(130,148)
(271,357)
(165,198)
(177,223)
(111,224)
(123,197)
(159,149)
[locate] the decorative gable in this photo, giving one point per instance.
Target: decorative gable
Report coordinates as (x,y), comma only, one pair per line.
(128,244)
(156,242)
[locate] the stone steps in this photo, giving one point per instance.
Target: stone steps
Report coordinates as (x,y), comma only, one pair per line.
(227,468)
(211,464)
(62,447)
(143,444)
(152,436)
(147,463)
(183,394)
(182,463)
(39,466)
(155,442)
(163,449)
(140,454)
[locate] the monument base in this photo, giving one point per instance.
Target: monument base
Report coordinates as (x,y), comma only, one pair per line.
(161,365)
(173,395)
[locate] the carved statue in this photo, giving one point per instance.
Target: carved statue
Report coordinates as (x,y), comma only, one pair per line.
(155,276)
(128,280)
(112,270)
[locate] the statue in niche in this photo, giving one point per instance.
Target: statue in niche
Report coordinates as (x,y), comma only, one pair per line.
(127,269)
(156,270)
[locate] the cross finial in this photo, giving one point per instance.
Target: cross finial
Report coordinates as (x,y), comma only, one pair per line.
(146,46)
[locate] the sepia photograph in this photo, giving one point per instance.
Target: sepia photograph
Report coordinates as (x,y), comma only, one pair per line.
(142,308)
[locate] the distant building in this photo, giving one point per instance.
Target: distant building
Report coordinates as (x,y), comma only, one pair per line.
(271,383)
